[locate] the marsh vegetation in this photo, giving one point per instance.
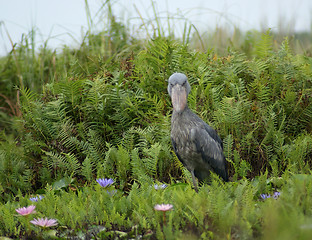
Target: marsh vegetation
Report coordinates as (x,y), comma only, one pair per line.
(102,110)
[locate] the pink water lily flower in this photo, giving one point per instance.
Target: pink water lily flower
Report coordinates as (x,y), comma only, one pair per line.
(26,210)
(44,222)
(163,207)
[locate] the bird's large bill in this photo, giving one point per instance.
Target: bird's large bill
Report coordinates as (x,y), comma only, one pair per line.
(178,97)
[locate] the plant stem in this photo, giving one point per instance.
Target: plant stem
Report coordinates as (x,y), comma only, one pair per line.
(164,214)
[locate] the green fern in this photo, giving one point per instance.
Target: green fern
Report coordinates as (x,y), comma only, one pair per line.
(227,146)
(65,163)
(15,174)
(263,48)
(87,169)
(138,169)
(122,162)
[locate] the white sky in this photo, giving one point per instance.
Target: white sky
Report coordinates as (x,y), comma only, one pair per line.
(65,21)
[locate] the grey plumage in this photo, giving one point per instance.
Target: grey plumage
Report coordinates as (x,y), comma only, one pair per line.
(195,143)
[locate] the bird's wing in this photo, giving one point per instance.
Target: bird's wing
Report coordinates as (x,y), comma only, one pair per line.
(174,145)
(213,134)
(209,144)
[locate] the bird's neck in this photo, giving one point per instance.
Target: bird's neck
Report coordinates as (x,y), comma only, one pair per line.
(179,114)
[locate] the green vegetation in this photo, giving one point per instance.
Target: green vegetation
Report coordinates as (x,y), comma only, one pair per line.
(102,111)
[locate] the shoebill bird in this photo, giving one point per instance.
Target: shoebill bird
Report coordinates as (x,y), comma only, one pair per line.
(196,144)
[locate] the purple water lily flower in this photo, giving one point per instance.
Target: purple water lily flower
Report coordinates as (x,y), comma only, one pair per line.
(26,210)
(265,196)
(161,186)
(36,199)
(275,195)
(44,222)
(105,182)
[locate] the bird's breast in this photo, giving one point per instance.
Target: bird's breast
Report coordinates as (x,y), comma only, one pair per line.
(185,147)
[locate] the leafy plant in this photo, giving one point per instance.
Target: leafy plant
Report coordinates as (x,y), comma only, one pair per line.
(103,111)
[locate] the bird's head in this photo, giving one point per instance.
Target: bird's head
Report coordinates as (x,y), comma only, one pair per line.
(178,89)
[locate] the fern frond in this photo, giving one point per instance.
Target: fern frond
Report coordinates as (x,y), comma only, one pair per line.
(138,168)
(263,48)
(87,169)
(151,161)
(64,163)
(122,162)
(227,146)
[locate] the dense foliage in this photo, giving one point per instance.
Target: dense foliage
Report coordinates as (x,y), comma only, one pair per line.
(103,111)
